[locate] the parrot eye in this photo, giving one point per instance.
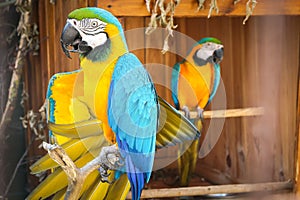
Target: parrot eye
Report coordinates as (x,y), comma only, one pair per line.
(74,22)
(94,24)
(208,45)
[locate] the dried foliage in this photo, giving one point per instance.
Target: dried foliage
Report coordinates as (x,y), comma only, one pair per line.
(27,29)
(213,6)
(162,14)
(249,9)
(36,122)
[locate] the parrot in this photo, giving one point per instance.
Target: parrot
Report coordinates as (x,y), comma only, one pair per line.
(194,82)
(109,101)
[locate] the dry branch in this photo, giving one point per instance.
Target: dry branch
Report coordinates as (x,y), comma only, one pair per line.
(76,176)
(24,22)
(217,189)
(109,158)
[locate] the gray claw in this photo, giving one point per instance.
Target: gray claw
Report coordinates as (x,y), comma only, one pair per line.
(110,159)
(199,112)
(186,111)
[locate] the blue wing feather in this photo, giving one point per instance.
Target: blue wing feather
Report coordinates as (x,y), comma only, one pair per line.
(217,77)
(133,115)
(174,85)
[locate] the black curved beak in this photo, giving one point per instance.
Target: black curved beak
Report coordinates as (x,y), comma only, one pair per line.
(218,55)
(67,38)
(71,41)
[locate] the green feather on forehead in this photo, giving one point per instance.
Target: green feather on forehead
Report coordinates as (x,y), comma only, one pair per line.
(209,39)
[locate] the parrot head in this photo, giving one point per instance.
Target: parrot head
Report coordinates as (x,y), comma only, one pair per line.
(207,50)
(89,32)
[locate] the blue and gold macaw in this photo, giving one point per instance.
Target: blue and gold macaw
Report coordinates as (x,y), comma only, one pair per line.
(110,100)
(194,84)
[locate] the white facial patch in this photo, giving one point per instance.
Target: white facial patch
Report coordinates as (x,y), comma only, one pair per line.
(207,50)
(95,40)
(91,31)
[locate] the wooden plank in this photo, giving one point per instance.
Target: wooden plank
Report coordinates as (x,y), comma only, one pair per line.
(249,90)
(231,75)
(297,162)
(154,59)
(92,3)
(215,176)
(135,36)
(188,8)
(289,96)
(216,189)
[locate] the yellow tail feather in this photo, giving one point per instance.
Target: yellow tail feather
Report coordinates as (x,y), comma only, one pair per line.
(119,189)
(187,157)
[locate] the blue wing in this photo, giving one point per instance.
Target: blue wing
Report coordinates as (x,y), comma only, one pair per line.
(133,116)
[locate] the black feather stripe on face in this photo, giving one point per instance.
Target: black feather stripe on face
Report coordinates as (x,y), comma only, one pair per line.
(90,26)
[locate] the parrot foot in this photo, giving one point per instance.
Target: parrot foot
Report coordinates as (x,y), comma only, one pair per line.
(199,112)
(110,159)
(186,111)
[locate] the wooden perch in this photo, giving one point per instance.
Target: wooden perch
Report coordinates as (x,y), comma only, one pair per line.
(76,176)
(109,158)
(241,112)
(216,189)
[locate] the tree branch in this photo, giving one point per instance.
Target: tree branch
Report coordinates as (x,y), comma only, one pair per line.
(76,176)
(18,69)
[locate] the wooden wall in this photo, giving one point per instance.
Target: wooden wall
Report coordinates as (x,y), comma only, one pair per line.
(260,68)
